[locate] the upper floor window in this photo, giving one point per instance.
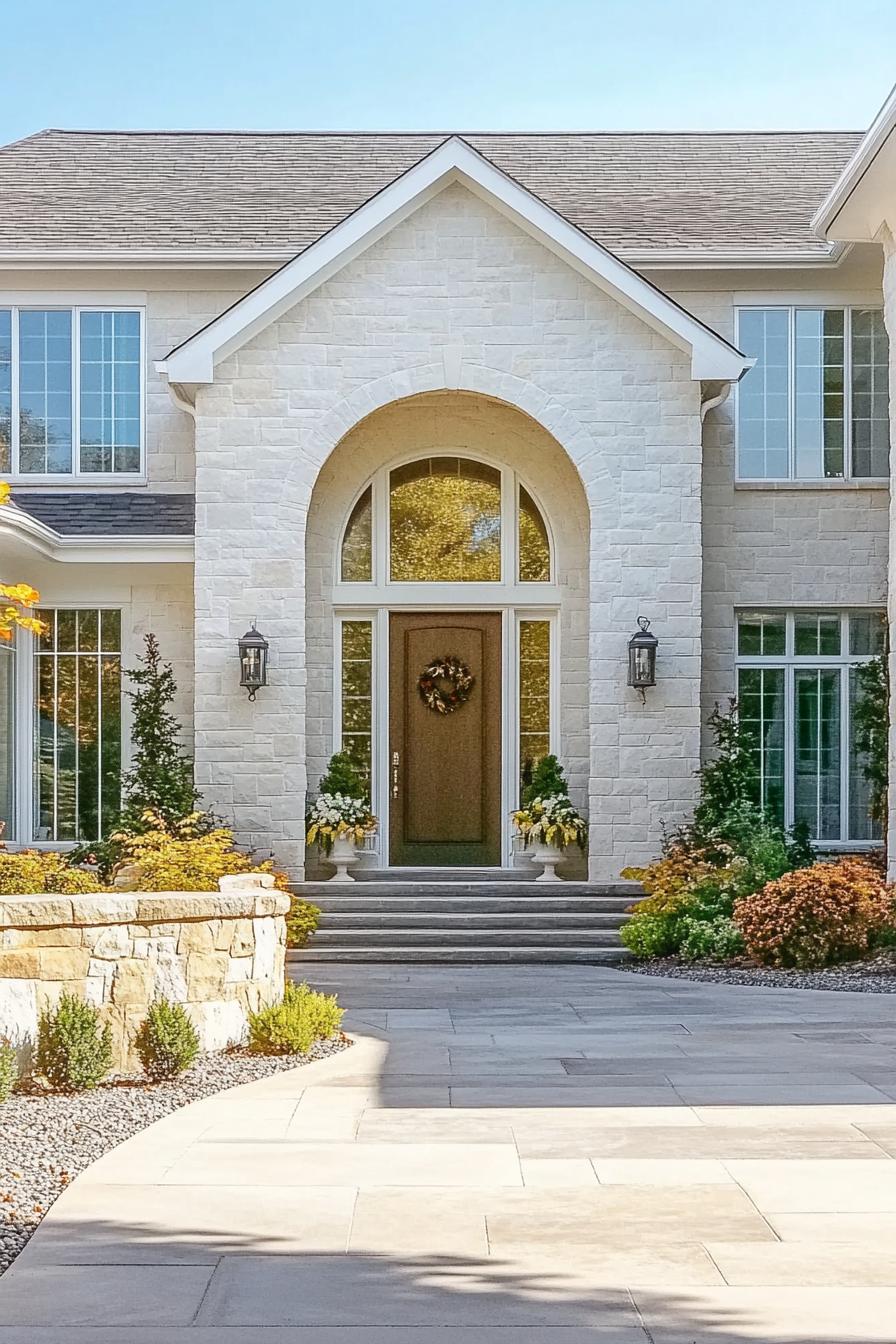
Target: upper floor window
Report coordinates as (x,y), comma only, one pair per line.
(71,392)
(816,404)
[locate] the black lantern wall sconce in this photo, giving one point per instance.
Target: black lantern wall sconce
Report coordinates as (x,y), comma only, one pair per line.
(642,658)
(253,649)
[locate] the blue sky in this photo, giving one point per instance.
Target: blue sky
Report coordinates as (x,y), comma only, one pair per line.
(458,64)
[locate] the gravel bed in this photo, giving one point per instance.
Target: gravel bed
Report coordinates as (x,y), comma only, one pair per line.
(877,976)
(46,1139)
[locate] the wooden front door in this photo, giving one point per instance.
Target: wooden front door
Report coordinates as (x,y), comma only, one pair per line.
(445,769)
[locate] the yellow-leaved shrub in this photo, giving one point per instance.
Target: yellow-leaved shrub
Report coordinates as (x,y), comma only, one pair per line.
(38,873)
(182,856)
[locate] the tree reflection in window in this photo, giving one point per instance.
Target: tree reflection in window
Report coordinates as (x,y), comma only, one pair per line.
(445,522)
(357,543)
(535,550)
(535,695)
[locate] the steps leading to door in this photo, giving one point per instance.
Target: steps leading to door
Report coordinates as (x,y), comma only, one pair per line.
(469,916)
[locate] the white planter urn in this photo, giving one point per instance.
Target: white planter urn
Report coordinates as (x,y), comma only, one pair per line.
(343,856)
(548,856)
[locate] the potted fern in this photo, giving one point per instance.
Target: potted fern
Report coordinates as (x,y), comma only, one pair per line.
(546,820)
(340,817)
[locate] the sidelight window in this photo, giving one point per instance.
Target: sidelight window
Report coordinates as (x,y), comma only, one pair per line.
(535,695)
(357,693)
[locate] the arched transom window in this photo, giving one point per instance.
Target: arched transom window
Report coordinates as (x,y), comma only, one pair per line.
(445,520)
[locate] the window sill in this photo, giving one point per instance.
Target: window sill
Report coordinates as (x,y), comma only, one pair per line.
(871,483)
(117,481)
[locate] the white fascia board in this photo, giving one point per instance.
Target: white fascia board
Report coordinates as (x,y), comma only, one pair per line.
(85,549)
(454,161)
(825,218)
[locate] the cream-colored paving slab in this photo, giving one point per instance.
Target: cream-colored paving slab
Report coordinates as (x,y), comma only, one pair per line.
(818,1185)
(769,1315)
(452,1125)
(542,1122)
(158,1224)
(813,1116)
(549,1172)
(403,1222)
(323,1334)
(114,1295)
(696,1142)
(680,1171)
(624,1215)
(806,1264)
(610,1266)
(354,1164)
(875,1229)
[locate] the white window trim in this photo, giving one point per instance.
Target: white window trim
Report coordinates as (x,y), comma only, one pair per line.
(23,763)
(510,711)
(807,303)
(790,662)
(75,476)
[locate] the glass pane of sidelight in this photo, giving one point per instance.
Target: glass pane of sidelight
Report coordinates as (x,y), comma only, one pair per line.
(816,749)
(870,394)
(7,742)
(861,826)
(535,695)
(357,542)
(761,633)
(535,551)
(817,633)
(5,389)
(77,726)
(760,702)
(357,694)
(445,522)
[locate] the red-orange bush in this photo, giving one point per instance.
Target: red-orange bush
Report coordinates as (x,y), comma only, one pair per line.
(816,916)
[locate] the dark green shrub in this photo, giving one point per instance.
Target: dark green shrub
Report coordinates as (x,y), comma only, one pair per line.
(343,776)
(292,1026)
(871,722)
(9,1070)
(652,935)
(73,1051)
(160,779)
(301,922)
(713,939)
(547,780)
(166,1042)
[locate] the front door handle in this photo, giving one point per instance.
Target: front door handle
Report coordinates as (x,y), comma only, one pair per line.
(396,761)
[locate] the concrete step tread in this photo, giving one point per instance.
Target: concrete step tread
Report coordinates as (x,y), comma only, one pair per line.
(460,955)
(463,938)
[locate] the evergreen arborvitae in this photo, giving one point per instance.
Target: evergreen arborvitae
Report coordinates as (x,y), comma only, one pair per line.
(547,781)
(161,775)
(343,776)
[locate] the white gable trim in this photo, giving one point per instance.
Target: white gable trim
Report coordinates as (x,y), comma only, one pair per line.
(844,214)
(194,361)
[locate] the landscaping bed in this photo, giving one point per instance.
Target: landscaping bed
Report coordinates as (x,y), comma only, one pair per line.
(46,1139)
(876,975)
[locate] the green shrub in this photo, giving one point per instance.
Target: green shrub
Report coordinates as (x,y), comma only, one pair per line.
(9,1070)
(29,873)
(547,780)
(301,922)
(710,939)
(73,1052)
(652,935)
(292,1026)
(343,776)
(166,1042)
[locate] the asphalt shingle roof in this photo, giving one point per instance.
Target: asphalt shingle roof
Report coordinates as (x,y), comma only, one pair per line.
(277,192)
(128,514)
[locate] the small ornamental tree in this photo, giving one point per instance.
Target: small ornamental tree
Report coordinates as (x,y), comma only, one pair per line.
(547,780)
(160,779)
(871,722)
(342,776)
(16,599)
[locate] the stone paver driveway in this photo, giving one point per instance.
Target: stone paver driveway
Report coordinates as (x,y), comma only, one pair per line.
(575,1156)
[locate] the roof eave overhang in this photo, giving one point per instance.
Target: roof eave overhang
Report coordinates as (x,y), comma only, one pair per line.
(83,549)
(195,360)
(864,195)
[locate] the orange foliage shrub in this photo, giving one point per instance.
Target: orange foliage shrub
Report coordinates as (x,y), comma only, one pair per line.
(816,916)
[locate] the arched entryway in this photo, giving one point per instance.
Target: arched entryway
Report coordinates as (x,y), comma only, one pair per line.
(448,527)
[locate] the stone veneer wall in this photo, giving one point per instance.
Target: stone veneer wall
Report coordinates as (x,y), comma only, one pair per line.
(221,954)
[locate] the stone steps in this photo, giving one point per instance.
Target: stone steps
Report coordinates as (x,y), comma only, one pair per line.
(425,916)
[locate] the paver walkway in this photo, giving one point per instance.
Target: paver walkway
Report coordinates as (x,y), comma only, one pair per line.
(568,1155)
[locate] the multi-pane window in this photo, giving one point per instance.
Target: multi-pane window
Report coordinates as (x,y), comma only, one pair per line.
(70,391)
(815,406)
(77,724)
(535,694)
(357,693)
(7,741)
(797,685)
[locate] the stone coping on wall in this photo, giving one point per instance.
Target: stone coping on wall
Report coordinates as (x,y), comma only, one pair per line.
(135,907)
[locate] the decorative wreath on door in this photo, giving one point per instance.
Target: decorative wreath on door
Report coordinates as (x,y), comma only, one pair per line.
(460,683)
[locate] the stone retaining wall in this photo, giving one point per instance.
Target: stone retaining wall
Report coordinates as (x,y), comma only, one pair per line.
(219,953)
